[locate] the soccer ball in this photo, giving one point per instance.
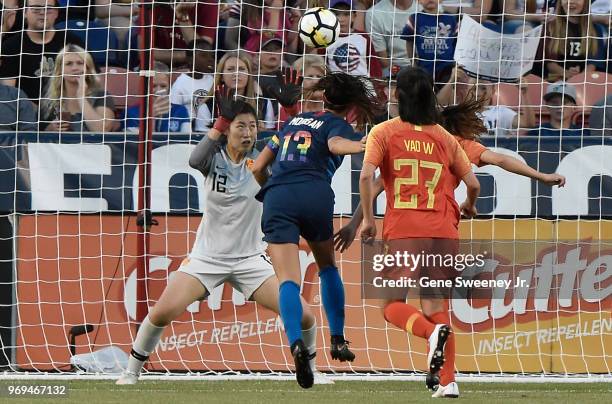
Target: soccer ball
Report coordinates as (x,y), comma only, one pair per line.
(319,27)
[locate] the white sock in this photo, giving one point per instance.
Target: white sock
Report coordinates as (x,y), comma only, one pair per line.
(309,337)
(146,340)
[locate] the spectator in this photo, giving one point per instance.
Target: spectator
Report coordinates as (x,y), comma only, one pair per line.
(456,88)
(430,38)
(16,112)
(192,89)
(269,62)
(118,15)
(560,101)
(600,122)
(392,107)
(385,22)
(601,11)
(568,39)
(74,100)
(312,68)
(28,60)
(523,15)
(486,12)
(169,117)
(176,27)
(501,120)
(250,20)
(352,52)
(10,18)
(235,71)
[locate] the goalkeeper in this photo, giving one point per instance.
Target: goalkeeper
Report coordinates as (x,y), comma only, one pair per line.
(225,249)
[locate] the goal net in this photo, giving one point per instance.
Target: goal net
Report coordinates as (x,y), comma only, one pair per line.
(94,139)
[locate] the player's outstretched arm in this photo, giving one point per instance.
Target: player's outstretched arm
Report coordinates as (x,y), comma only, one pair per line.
(346,235)
(366,191)
(201,157)
(516,166)
(260,166)
(342,146)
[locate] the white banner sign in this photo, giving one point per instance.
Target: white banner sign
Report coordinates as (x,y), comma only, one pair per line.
(492,56)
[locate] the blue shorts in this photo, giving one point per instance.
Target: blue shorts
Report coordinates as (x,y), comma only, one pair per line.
(291,210)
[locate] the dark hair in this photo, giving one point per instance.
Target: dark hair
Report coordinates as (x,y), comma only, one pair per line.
(197,44)
(343,92)
(416,98)
(243,107)
(462,119)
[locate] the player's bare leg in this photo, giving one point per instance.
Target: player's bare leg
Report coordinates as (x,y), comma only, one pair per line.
(332,294)
(286,262)
(182,290)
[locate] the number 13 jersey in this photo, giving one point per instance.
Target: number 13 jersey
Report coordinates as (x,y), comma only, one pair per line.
(420,167)
(302,154)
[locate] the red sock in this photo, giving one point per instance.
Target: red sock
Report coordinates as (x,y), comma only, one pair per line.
(408,318)
(447,373)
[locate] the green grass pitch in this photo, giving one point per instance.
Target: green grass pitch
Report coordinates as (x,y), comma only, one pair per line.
(285,392)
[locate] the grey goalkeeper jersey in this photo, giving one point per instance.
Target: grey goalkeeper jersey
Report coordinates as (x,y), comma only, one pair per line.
(231,224)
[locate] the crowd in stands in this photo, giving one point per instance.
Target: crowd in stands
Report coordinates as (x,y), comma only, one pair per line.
(66,65)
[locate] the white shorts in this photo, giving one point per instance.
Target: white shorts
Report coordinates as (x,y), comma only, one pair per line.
(245,274)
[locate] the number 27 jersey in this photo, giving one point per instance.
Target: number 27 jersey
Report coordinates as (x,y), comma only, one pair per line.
(420,167)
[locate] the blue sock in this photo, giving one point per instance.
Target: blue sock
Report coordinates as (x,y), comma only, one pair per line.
(332,292)
(291,310)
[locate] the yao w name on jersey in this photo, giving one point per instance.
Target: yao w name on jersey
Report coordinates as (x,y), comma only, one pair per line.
(301,148)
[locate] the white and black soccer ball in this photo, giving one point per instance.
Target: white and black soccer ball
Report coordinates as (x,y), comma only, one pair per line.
(319,27)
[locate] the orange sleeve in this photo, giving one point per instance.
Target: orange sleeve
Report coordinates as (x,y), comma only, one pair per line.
(473,150)
(375,147)
(460,165)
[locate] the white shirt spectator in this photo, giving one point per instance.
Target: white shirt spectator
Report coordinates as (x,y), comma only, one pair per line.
(601,7)
(385,23)
(192,93)
(499,120)
(349,54)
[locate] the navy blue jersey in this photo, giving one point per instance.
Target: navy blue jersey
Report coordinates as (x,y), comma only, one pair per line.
(301,148)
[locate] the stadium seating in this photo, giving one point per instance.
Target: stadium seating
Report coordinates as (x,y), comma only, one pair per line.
(122,85)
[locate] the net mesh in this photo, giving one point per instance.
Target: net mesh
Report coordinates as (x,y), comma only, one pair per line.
(85,82)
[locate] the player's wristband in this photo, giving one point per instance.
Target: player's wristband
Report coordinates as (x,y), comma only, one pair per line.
(292,110)
(221,124)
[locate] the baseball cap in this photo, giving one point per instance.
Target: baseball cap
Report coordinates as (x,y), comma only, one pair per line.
(334,3)
(267,42)
(560,88)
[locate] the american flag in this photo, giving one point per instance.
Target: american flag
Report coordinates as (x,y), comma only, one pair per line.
(347,57)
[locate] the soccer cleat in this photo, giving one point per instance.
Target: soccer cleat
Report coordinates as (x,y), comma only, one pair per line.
(432,381)
(322,378)
(339,349)
(127,378)
(451,390)
(437,341)
(301,357)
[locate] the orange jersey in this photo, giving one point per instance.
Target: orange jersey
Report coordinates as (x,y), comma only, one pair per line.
(472,149)
(420,166)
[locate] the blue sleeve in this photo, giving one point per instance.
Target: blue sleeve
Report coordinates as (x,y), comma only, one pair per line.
(131,117)
(339,127)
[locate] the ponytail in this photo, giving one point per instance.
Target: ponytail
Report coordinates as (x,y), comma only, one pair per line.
(345,93)
(463,119)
